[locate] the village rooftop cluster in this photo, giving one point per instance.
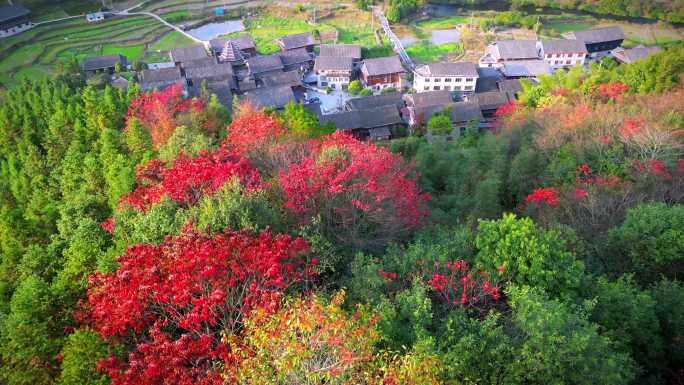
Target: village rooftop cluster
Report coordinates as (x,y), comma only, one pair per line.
(401,98)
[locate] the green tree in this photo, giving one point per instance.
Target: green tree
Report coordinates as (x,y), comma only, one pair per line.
(186,141)
(302,122)
(528,255)
(366,92)
(440,124)
(81,352)
(355,86)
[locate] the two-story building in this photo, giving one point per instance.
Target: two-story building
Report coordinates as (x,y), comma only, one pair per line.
(599,41)
(504,51)
(334,72)
(381,73)
(14,19)
(446,76)
(561,53)
(352,51)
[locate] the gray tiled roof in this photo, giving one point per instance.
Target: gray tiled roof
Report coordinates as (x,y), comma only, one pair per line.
(449,69)
(206,61)
(563,46)
(382,66)
(261,64)
(212,71)
(341,50)
(186,54)
(429,98)
(291,78)
(9,12)
(491,100)
(598,35)
(461,112)
(274,97)
(516,49)
(295,56)
(160,78)
(527,68)
(631,55)
(296,41)
(331,63)
(370,102)
(245,42)
(364,119)
(101,62)
(510,85)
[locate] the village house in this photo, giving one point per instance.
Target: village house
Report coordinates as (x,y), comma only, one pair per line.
(264,65)
(192,56)
(526,69)
(395,99)
(334,72)
(511,86)
(14,19)
(460,113)
(561,53)
(161,78)
(599,41)
(384,72)
(420,106)
(297,60)
(289,78)
(301,40)
(630,55)
(504,51)
(270,97)
(374,124)
(244,44)
(210,73)
(489,102)
(446,76)
(119,82)
(105,64)
(95,17)
(352,51)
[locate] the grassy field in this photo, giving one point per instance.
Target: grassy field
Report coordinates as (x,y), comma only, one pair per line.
(424,52)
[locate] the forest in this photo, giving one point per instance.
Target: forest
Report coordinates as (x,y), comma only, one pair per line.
(148,238)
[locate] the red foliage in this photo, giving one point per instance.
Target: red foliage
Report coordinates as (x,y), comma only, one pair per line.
(172,301)
(506,109)
(631,127)
(456,284)
(580,193)
(158,111)
(254,131)
(560,92)
(583,174)
(654,167)
(351,184)
(108,225)
(547,195)
(612,91)
(188,179)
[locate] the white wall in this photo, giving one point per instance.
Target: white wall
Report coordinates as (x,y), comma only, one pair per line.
(454,83)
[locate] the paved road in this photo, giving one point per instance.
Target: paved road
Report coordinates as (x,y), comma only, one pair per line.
(394,40)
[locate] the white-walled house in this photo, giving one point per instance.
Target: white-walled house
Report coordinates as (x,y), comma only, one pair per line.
(14,19)
(503,51)
(334,72)
(460,76)
(562,53)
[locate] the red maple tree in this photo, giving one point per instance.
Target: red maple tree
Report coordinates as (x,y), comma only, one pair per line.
(159,111)
(169,304)
(363,194)
(190,178)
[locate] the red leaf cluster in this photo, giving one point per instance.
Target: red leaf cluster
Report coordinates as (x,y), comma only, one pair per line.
(347,179)
(171,302)
(457,284)
(612,91)
(506,109)
(188,179)
(158,111)
(547,195)
(254,131)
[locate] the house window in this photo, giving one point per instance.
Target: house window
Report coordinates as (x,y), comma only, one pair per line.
(437,80)
(436,88)
(447,79)
(457,88)
(567,62)
(557,62)
(447,88)
(458,80)
(469,79)
(468,88)
(426,88)
(427,80)
(548,55)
